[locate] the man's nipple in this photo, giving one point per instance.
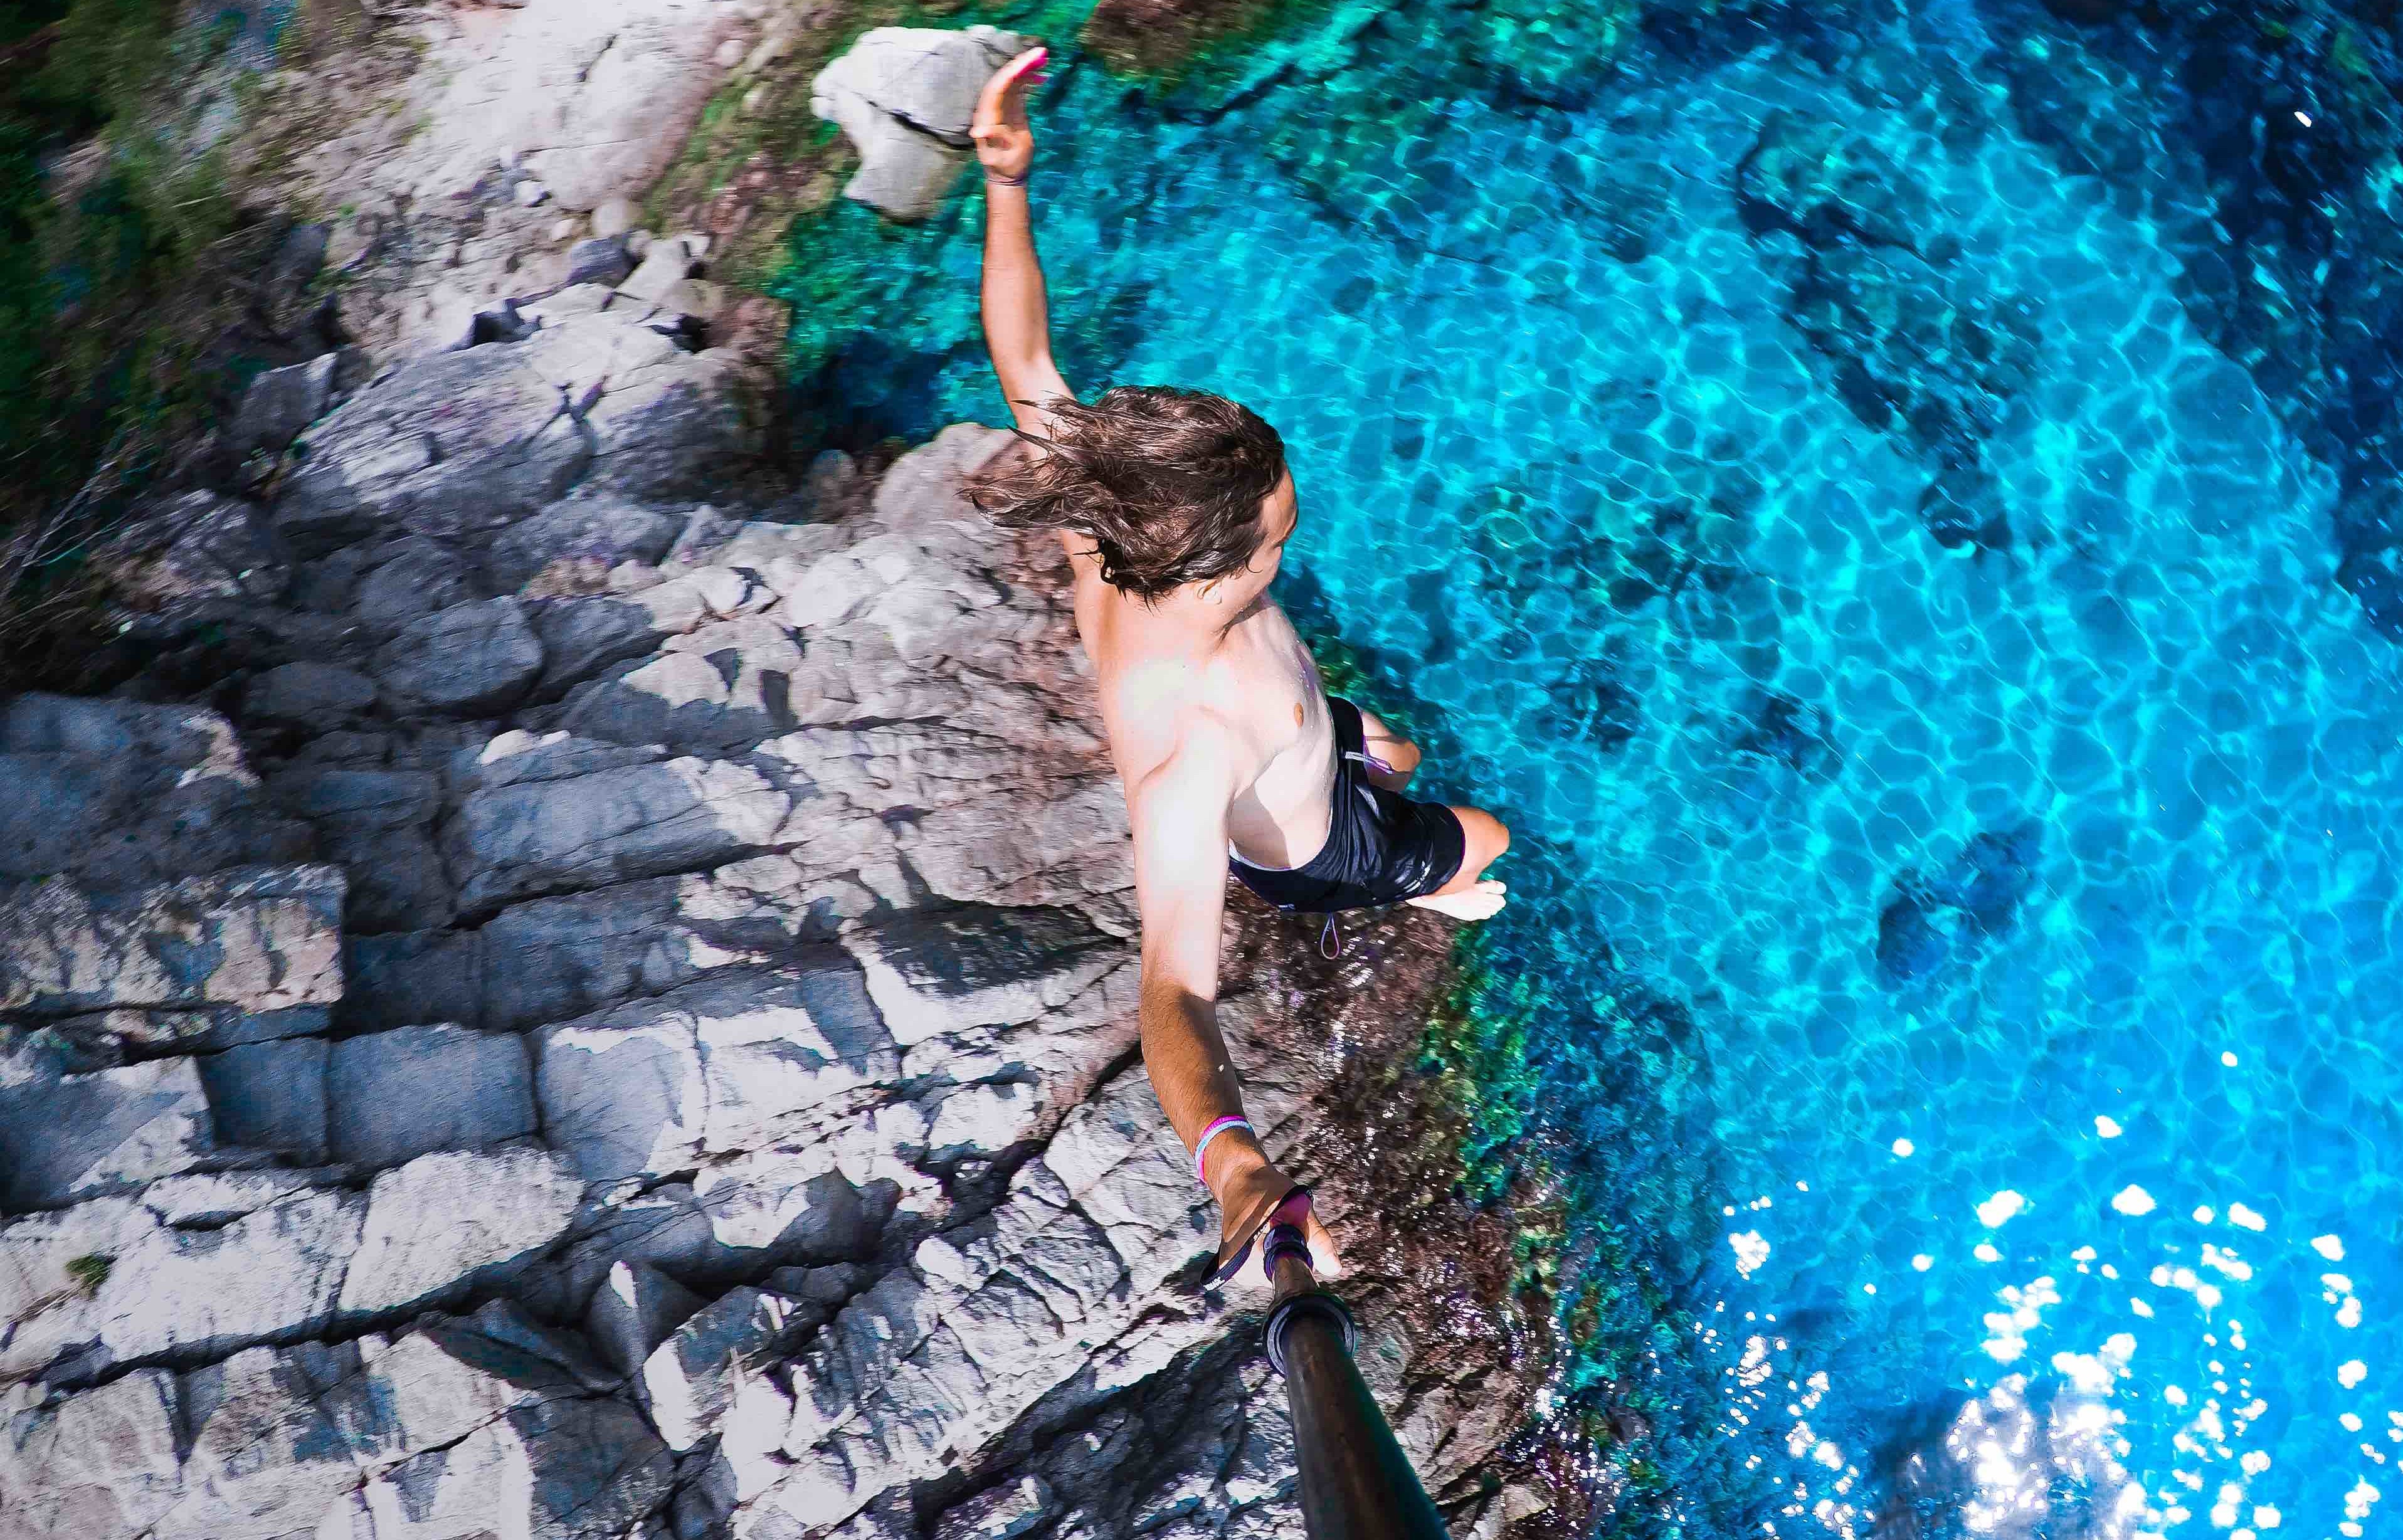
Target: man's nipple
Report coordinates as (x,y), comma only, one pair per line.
(1297,714)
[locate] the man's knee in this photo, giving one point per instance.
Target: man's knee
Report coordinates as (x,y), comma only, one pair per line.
(1488,836)
(1389,746)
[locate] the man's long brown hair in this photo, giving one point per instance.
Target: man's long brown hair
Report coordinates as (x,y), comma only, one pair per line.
(1166,483)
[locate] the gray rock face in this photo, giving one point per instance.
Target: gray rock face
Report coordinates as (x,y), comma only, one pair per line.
(454,444)
(118,793)
(196,559)
(588,829)
(281,402)
(903,96)
(111,1128)
(666,263)
(601,260)
(271,1096)
(946,971)
(108,1282)
(721,1064)
(399,978)
(697,945)
(698,1372)
(633,1311)
(581,637)
(602,529)
(396,1095)
(468,661)
(592,102)
(413,577)
(300,694)
(102,1462)
(443,1222)
(379,825)
(457,446)
(1001,1513)
(260,938)
(275,1432)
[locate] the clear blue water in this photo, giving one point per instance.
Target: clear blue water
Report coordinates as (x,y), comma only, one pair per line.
(2113,1117)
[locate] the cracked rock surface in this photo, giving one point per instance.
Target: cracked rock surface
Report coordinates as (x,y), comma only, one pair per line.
(596,1015)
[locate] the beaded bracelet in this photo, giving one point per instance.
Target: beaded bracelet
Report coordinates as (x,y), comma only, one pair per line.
(1217,1127)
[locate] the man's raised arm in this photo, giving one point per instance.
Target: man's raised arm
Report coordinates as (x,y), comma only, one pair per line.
(1017,313)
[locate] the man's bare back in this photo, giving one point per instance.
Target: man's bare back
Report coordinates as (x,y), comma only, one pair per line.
(1174,509)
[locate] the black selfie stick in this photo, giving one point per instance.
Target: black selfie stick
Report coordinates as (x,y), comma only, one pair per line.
(1356,1484)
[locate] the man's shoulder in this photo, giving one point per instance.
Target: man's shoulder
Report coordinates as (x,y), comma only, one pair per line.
(1203,761)
(1207,743)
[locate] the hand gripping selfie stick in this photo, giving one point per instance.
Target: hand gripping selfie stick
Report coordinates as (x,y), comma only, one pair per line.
(1356,1484)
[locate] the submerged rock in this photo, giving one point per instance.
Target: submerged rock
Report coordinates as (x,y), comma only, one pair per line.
(2022,1461)
(1983,886)
(1792,733)
(1910,944)
(1991,878)
(1916,348)
(1827,182)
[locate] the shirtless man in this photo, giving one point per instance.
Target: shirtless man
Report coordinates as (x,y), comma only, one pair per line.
(1175,507)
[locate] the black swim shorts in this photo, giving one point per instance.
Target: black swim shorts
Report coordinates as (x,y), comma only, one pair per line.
(1380,846)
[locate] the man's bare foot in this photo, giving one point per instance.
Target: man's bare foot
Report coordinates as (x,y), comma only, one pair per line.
(1245,1208)
(1481,902)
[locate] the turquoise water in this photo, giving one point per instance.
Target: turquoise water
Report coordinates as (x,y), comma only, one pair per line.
(1964,924)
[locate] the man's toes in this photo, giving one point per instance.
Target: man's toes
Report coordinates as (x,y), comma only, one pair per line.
(1481,902)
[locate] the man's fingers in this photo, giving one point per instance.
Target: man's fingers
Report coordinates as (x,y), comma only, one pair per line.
(1324,1261)
(990,101)
(1024,64)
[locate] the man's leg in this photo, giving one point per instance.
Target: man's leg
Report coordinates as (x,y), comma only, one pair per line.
(1397,752)
(1471,895)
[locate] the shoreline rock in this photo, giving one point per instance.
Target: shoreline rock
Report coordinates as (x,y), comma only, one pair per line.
(681,1046)
(903,96)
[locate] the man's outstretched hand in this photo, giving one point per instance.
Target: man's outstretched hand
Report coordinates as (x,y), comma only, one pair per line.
(1249,1190)
(1004,143)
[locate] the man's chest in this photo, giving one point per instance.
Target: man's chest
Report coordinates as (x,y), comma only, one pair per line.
(1258,681)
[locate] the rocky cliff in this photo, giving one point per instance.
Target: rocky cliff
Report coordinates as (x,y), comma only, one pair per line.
(552,1007)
